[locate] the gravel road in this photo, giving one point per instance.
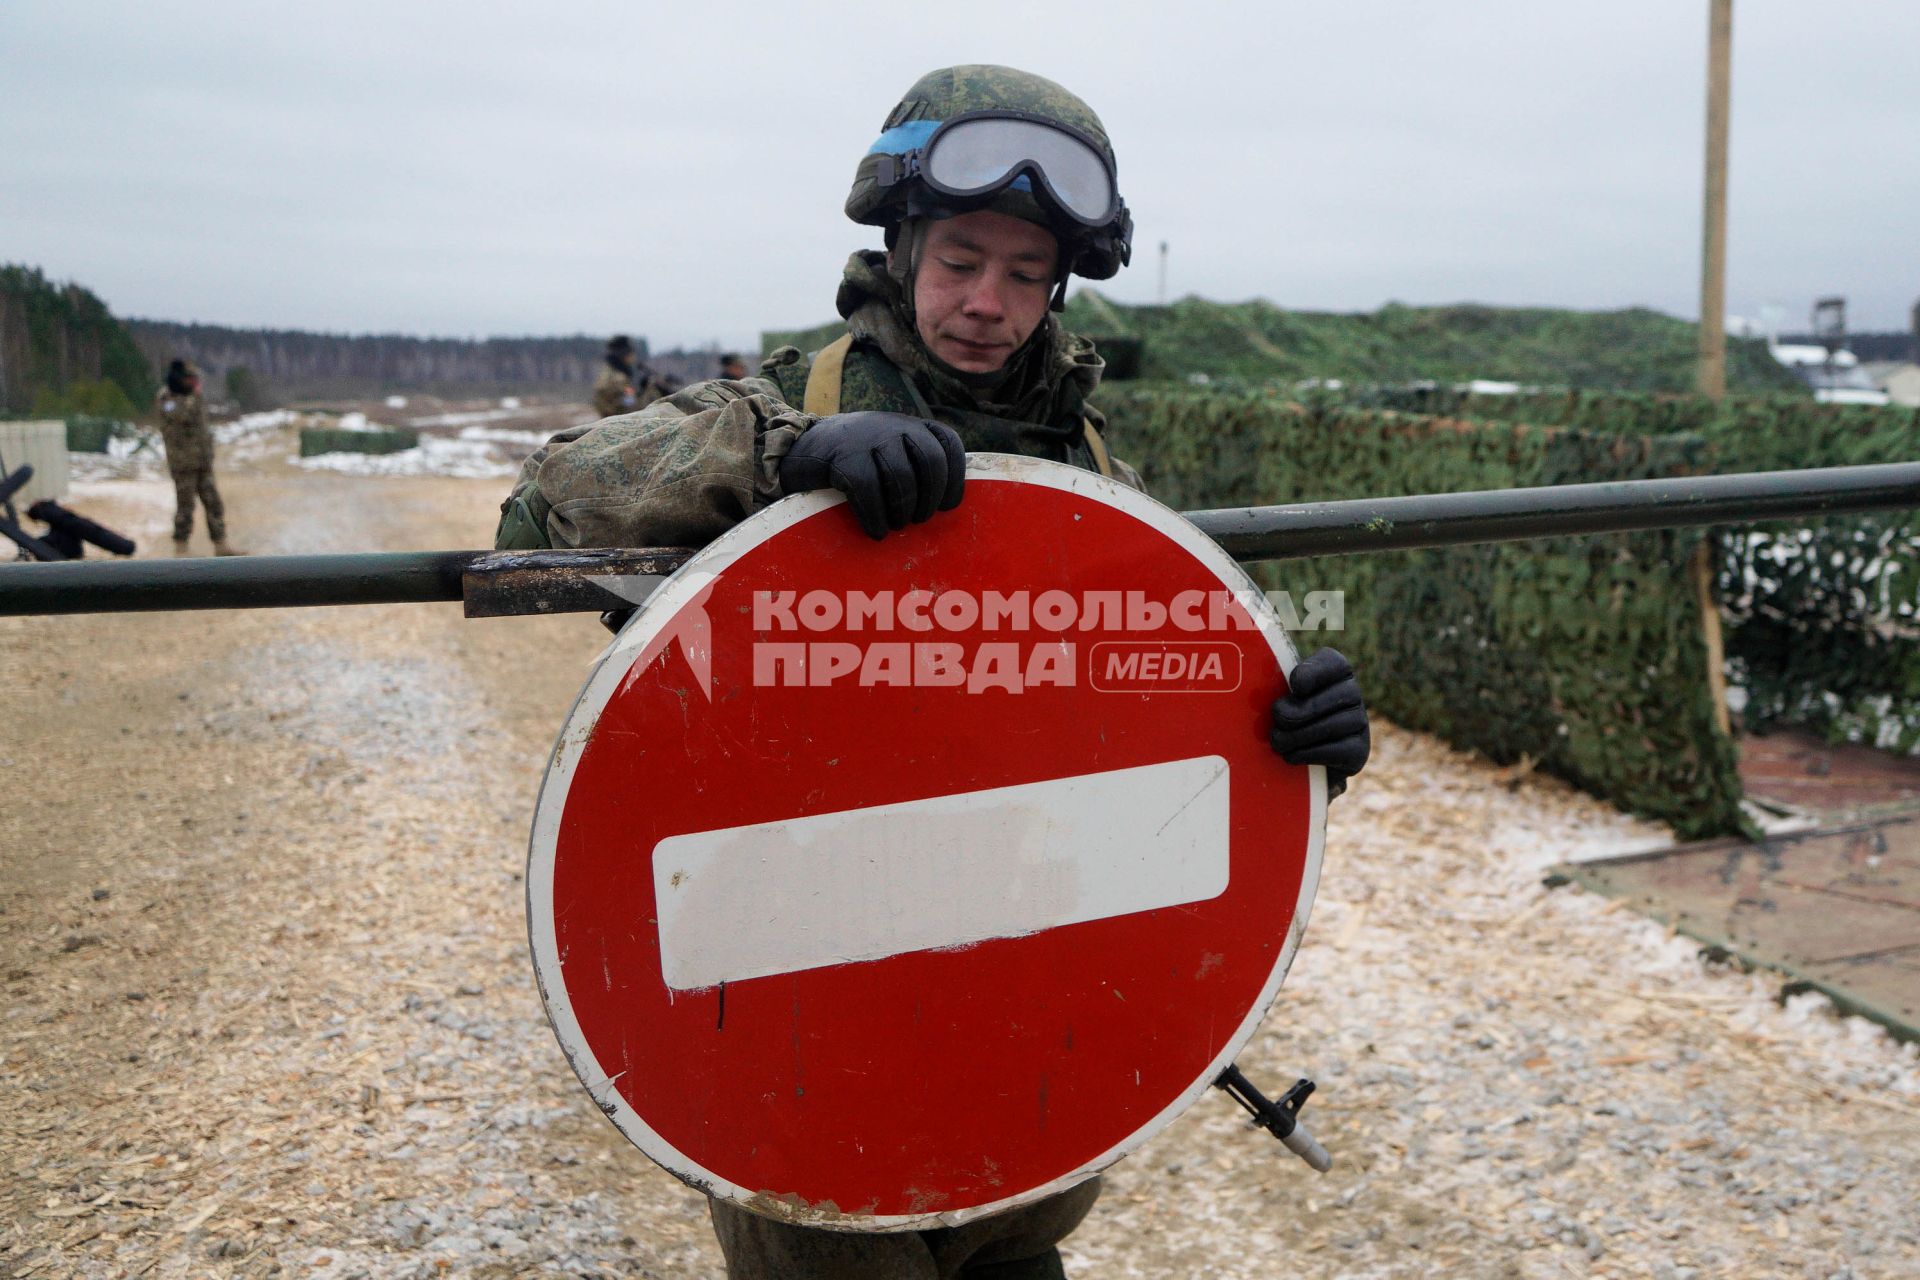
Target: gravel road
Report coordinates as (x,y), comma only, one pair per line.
(269,1008)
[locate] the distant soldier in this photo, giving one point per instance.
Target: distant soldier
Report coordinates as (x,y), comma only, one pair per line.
(183,427)
(732,367)
(624,385)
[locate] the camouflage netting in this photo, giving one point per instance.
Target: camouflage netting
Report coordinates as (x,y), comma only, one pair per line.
(1824,615)
(1584,656)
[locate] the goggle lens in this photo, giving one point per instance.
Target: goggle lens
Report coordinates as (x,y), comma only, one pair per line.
(972,156)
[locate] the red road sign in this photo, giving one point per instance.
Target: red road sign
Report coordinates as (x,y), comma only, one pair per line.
(881,885)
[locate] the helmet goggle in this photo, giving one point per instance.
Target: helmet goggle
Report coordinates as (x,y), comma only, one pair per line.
(983,152)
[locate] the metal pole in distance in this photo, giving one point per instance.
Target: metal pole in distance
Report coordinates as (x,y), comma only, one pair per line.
(504,583)
(1512,515)
(1711,376)
(518,582)
(255,582)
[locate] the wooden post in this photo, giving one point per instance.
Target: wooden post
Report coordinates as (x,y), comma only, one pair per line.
(1700,570)
(1711,375)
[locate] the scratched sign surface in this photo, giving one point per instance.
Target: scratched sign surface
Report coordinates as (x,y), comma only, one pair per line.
(882,885)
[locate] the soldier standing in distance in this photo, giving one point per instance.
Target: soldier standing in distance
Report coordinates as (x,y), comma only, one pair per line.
(189,446)
(991,186)
(623,386)
(732,367)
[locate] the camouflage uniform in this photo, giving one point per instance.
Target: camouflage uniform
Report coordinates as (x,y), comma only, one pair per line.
(690,467)
(1017,1245)
(686,469)
(189,444)
(618,391)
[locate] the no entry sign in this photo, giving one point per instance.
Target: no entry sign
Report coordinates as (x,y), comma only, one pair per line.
(882,885)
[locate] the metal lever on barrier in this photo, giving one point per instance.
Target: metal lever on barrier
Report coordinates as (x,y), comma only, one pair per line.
(1280,1118)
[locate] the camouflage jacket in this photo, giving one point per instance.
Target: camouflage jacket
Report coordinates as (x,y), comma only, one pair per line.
(691,466)
(616,392)
(183,428)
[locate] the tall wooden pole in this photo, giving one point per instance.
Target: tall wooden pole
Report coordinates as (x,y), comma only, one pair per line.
(1711,376)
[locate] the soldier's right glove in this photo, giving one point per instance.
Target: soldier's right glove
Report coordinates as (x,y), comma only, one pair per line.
(894,469)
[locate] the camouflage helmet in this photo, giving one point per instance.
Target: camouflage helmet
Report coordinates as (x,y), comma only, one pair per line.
(878,200)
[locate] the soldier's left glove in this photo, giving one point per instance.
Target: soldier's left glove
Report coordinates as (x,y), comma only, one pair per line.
(1323,720)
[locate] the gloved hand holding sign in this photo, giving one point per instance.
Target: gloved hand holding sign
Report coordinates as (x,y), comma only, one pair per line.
(894,469)
(1322,719)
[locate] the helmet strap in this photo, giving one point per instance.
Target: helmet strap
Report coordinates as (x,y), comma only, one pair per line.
(904,242)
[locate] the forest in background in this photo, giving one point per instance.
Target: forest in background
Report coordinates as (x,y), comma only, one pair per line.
(63,352)
(278,366)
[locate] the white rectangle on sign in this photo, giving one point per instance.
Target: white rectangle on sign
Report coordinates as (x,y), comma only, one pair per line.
(864,884)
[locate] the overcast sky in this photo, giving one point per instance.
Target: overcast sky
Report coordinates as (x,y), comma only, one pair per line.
(678,170)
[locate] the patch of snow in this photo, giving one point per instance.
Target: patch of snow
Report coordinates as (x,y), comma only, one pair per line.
(434,456)
(505,436)
(465,416)
(126,457)
(252,424)
(134,494)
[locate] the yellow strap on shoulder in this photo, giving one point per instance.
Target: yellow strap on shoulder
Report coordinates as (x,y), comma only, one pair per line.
(1094,442)
(823,377)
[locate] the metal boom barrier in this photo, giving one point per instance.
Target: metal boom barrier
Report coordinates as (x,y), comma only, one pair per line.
(510,583)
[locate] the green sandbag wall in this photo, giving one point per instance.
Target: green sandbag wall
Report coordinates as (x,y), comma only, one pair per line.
(318,440)
(87,434)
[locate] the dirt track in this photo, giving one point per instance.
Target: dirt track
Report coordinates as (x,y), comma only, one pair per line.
(269,1008)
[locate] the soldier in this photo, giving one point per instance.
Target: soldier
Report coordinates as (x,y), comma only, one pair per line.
(732,367)
(623,385)
(189,446)
(991,186)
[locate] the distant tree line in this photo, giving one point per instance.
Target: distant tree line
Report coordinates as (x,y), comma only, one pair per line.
(288,364)
(263,366)
(62,352)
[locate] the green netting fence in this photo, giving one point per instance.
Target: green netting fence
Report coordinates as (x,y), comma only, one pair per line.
(1585,656)
(318,440)
(1823,615)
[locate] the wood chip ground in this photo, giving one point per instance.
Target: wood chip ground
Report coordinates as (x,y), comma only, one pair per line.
(269,1009)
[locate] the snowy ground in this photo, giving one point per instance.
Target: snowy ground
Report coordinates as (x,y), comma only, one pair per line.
(269,1009)
(478,444)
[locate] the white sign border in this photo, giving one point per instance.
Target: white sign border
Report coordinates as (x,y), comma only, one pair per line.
(611,671)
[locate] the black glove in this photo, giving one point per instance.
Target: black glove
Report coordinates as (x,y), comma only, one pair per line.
(893,468)
(1323,720)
